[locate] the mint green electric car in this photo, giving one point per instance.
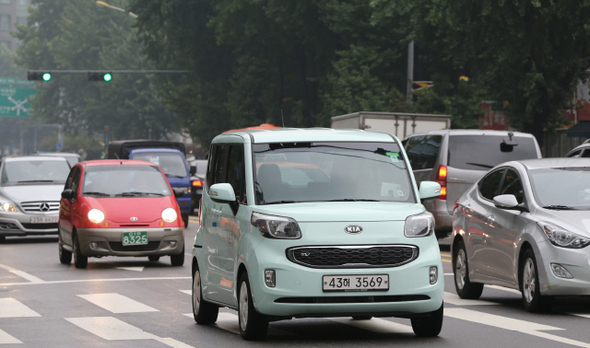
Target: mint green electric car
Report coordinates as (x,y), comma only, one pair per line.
(315,223)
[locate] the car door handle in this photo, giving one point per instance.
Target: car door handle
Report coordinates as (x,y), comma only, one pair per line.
(491,219)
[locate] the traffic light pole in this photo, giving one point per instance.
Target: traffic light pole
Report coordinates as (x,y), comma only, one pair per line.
(94,75)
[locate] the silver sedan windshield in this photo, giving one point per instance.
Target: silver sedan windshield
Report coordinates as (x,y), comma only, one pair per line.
(562,188)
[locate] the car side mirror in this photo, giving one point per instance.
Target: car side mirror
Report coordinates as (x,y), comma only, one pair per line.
(508,202)
(193,170)
(68,194)
(224,193)
(429,189)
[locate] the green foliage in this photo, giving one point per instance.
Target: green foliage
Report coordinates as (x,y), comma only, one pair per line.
(88,147)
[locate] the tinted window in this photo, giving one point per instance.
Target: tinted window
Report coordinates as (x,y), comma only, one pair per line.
(236,169)
(423,151)
(479,152)
(76,181)
(488,186)
(512,185)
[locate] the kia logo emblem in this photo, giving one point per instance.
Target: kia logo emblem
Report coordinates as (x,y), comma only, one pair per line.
(44,207)
(134,218)
(353,229)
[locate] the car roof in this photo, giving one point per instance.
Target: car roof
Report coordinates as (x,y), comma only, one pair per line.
(59,154)
(307,134)
(33,157)
(487,132)
(111,162)
(553,162)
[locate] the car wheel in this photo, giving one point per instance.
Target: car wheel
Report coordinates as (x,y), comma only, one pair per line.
(65,256)
(80,261)
(178,259)
(253,325)
(464,287)
(185,219)
(531,295)
(430,325)
(153,257)
(204,312)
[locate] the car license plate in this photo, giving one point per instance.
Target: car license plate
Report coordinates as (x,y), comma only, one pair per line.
(373,282)
(135,238)
(43,219)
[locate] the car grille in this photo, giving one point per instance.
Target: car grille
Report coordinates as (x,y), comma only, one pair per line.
(40,226)
(40,206)
(118,246)
(357,256)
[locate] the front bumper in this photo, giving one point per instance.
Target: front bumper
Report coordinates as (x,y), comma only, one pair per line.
(108,242)
(299,293)
(575,261)
(19,224)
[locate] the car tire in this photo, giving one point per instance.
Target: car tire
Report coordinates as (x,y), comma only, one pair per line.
(429,325)
(204,312)
(464,287)
(253,325)
(532,299)
(178,259)
(65,256)
(154,258)
(185,219)
(80,261)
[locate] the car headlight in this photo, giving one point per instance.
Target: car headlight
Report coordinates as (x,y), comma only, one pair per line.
(563,238)
(8,206)
(96,216)
(421,225)
(169,215)
(276,226)
(183,190)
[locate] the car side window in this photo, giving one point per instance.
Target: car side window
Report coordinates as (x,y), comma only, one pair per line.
(575,153)
(585,153)
(512,185)
(76,181)
(217,168)
(236,171)
(69,179)
(489,185)
(423,151)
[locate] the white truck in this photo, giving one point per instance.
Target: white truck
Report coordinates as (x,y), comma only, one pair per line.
(396,123)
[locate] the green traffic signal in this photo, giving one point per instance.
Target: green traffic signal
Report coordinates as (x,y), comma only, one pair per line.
(46,76)
(107,77)
(99,76)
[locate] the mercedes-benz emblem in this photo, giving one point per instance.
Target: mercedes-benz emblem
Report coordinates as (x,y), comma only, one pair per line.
(134,218)
(44,207)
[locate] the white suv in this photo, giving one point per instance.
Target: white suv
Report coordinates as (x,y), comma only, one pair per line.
(30,188)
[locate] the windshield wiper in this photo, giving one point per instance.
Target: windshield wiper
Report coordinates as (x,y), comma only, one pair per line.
(559,207)
(26,181)
(480,165)
(279,202)
(137,194)
(95,193)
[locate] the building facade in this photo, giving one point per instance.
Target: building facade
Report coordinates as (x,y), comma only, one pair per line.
(12,13)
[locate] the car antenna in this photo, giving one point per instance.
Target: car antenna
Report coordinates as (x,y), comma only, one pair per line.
(283,118)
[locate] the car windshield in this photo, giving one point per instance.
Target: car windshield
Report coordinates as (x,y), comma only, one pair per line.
(330,171)
(124,181)
(35,171)
(490,150)
(562,188)
(171,163)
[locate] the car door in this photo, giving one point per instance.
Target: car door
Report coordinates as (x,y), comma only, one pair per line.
(67,211)
(479,225)
(503,233)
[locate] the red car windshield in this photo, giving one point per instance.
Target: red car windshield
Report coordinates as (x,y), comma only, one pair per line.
(124,181)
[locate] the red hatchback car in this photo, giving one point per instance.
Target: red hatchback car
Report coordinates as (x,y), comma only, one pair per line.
(119,208)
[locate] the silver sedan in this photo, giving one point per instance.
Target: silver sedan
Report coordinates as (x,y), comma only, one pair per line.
(525,225)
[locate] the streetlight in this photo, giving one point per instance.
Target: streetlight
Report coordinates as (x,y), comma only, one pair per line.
(116,8)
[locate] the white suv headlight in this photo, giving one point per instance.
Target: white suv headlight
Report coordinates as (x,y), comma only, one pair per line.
(421,225)
(563,238)
(276,226)
(8,206)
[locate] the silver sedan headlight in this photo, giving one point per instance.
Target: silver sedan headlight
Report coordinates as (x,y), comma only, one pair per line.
(7,206)
(563,238)
(421,225)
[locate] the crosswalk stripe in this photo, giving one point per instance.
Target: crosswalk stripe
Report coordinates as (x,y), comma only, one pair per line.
(457,301)
(11,308)
(377,325)
(29,277)
(7,339)
(117,303)
(113,329)
(188,292)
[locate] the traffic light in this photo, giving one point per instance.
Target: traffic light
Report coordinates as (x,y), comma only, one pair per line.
(38,76)
(99,76)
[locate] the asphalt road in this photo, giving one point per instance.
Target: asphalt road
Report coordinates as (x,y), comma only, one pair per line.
(132,302)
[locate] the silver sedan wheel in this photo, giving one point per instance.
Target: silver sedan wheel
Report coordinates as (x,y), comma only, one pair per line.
(243,303)
(529,284)
(460,268)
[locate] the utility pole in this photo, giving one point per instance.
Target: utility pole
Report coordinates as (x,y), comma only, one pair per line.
(410,79)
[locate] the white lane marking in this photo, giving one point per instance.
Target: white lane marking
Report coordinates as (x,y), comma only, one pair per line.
(511,324)
(29,277)
(377,325)
(94,280)
(228,322)
(11,308)
(135,269)
(113,329)
(117,303)
(582,315)
(188,292)
(514,291)
(457,301)
(7,339)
